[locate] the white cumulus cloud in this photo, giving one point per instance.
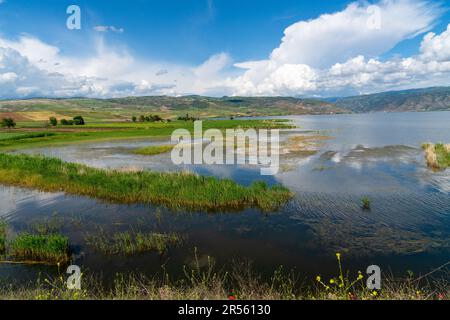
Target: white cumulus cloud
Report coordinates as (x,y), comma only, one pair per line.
(334,54)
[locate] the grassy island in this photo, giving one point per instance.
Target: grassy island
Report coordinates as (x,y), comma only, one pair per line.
(174,190)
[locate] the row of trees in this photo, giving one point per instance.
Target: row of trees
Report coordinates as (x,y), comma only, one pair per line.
(78,121)
(150,118)
(188,118)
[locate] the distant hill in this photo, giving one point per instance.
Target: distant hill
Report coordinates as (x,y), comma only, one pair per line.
(428,99)
(198,106)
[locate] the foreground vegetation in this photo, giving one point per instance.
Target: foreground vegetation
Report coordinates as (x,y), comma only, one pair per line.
(241,283)
(174,190)
(437,155)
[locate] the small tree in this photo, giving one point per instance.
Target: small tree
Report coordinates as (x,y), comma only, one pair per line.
(8,123)
(78,121)
(65,122)
(53,121)
(141,118)
(133,118)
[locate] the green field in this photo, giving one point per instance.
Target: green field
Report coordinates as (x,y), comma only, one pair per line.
(25,136)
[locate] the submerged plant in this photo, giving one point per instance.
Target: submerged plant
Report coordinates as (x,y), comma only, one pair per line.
(365,203)
(130,242)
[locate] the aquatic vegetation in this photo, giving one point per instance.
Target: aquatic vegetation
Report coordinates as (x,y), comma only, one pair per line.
(437,155)
(52,248)
(153,150)
(175,190)
(49,225)
(130,242)
(305,145)
(2,237)
(366,203)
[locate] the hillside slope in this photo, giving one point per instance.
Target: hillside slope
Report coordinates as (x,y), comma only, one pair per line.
(123,108)
(428,99)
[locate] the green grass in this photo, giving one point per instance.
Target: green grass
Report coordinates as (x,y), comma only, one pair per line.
(437,155)
(174,190)
(442,155)
(153,150)
(20,136)
(118,130)
(52,248)
(128,243)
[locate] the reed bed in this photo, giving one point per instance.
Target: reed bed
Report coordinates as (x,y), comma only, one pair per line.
(174,190)
(153,150)
(46,248)
(128,243)
(437,155)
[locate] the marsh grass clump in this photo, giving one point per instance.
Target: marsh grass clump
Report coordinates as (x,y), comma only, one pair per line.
(128,243)
(365,203)
(52,248)
(437,155)
(153,150)
(174,190)
(47,226)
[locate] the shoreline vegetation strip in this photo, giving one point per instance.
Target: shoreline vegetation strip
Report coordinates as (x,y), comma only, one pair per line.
(174,190)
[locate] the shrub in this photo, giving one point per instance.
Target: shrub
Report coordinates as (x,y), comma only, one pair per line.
(8,123)
(78,121)
(53,121)
(65,122)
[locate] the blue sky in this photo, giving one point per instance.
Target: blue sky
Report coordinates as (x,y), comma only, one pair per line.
(215,43)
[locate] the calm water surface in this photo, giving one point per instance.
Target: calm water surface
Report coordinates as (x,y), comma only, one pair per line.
(374,155)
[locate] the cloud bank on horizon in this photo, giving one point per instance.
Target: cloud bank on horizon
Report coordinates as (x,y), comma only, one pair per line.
(333,54)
